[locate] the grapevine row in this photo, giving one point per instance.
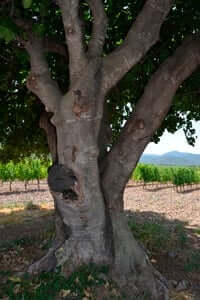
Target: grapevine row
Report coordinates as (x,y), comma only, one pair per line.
(27,170)
(178,176)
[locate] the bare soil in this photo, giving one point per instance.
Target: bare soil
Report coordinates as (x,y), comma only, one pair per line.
(154,203)
(166,202)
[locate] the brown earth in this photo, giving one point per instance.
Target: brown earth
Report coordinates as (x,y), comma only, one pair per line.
(161,204)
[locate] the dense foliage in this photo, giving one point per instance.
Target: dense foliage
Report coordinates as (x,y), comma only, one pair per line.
(20,111)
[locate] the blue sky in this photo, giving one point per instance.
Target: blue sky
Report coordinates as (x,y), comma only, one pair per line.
(176,141)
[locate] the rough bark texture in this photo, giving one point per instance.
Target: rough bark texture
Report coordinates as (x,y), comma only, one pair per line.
(88,228)
(50,131)
(87,185)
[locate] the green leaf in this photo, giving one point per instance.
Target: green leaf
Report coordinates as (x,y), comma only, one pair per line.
(6,34)
(39,29)
(27,3)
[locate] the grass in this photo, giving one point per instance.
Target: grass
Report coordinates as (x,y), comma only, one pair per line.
(44,239)
(11,214)
(197,231)
(157,237)
(87,283)
(80,285)
(31,206)
(181,296)
(193,261)
(153,235)
(11,205)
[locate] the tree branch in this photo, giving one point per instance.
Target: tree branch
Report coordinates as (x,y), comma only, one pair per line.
(39,80)
(74,36)
(143,34)
(49,44)
(99,27)
(150,111)
(50,131)
(54,46)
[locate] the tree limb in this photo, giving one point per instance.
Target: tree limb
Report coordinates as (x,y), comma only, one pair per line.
(50,131)
(74,35)
(150,111)
(143,34)
(51,45)
(39,80)
(99,27)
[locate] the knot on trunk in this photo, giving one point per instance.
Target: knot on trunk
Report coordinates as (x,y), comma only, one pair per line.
(32,82)
(63,180)
(81,104)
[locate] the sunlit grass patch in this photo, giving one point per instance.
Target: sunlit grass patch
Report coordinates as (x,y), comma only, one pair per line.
(25,212)
(182,296)
(197,231)
(31,206)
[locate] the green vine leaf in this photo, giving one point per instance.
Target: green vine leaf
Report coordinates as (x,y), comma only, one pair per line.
(6,34)
(27,3)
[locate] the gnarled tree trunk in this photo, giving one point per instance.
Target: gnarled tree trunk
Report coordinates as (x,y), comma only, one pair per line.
(87,183)
(90,225)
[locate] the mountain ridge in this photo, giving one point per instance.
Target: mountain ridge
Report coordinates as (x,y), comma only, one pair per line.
(175,158)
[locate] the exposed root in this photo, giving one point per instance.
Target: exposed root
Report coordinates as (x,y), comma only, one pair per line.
(162,286)
(132,269)
(47,263)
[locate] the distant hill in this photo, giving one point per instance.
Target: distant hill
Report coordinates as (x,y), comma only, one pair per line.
(172,158)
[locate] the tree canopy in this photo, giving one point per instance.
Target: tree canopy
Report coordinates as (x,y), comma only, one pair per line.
(20,134)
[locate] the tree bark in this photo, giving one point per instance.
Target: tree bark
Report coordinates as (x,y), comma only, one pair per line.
(50,130)
(88,230)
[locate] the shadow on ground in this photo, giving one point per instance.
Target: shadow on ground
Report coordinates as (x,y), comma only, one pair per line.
(24,224)
(173,246)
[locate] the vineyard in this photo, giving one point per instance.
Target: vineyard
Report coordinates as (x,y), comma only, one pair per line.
(36,169)
(179,177)
(25,171)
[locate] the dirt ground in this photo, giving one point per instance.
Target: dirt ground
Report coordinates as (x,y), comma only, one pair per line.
(165,201)
(157,204)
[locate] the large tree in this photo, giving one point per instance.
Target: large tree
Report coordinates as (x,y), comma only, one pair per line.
(90,171)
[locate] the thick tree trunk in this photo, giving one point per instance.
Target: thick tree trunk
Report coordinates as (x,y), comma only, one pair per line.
(90,224)
(89,227)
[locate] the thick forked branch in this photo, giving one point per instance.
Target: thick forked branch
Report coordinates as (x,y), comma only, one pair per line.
(54,46)
(99,27)
(39,80)
(149,114)
(49,44)
(143,34)
(74,35)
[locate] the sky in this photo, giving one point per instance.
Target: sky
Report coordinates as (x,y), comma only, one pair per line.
(175,142)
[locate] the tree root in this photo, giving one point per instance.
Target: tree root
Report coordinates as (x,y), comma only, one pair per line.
(46,264)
